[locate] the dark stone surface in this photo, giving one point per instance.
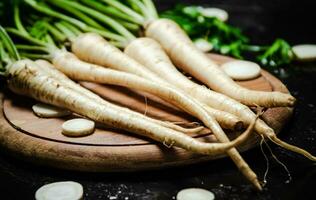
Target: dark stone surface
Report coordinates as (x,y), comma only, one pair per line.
(264,21)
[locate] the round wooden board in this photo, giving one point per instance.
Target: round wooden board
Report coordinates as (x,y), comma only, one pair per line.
(40,140)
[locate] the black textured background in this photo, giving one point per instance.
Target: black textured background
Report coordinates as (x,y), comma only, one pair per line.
(263,21)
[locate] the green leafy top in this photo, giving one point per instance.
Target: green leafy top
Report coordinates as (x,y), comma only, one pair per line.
(8,51)
(195,24)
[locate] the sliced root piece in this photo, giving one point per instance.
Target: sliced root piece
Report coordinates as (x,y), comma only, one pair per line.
(241,70)
(49,111)
(195,193)
(60,190)
(305,52)
(214,12)
(203,45)
(78,127)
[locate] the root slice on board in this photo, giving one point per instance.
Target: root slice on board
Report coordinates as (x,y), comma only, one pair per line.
(49,111)
(78,127)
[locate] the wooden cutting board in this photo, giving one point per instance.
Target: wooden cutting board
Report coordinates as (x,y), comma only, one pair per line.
(40,140)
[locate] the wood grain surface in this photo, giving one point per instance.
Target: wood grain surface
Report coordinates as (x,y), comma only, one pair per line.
(40,141)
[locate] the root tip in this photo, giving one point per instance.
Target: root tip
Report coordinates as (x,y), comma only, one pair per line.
(257,185)
(292,101)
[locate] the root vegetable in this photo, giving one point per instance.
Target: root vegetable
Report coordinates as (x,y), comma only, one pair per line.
(149,53)
(52,71)
(101,55)
(93,48)
(162,65)
(104,54)
(79,70)
(189,58)
(25,78)
(186,56)
(78,127)
(49,111)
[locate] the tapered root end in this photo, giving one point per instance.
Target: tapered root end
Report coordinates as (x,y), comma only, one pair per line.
(257,184)
(278,99)
(293,148)
(291,101)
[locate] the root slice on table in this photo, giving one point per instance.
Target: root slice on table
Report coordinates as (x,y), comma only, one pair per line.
(67,190)
(195,193)
(49,111)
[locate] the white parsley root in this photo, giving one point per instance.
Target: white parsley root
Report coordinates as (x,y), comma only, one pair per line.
(53,72)
(26,78)
(186,56)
